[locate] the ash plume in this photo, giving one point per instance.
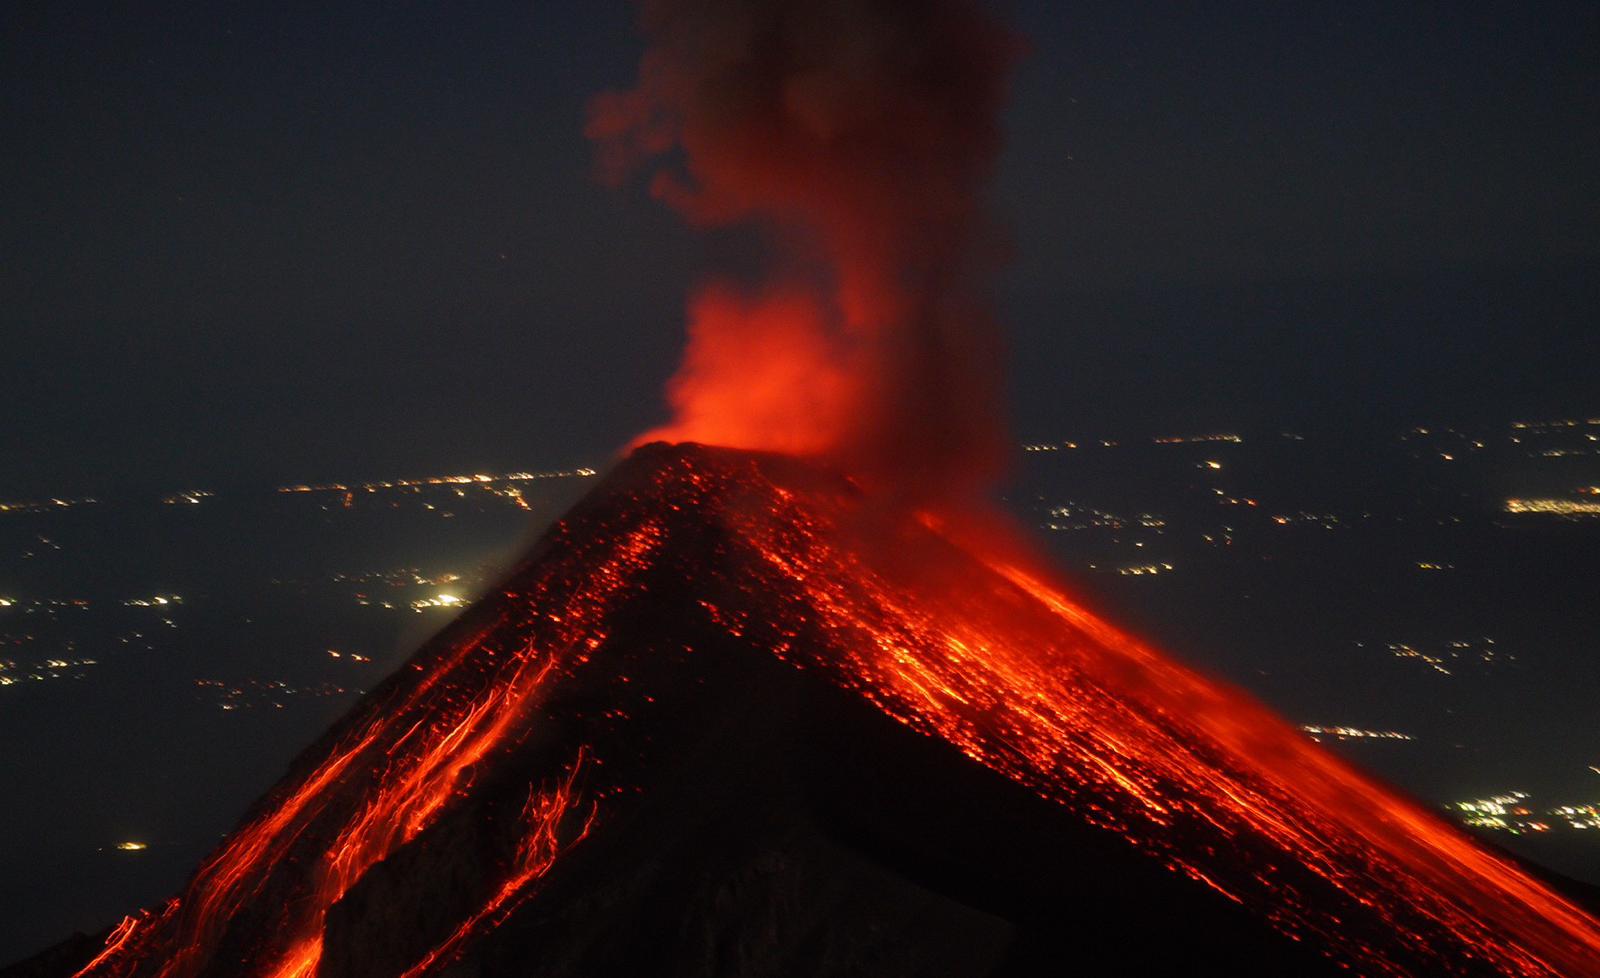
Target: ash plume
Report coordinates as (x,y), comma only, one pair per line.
(857,137)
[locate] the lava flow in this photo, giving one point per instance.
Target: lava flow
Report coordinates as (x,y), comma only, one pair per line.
(971,648)
(257,906)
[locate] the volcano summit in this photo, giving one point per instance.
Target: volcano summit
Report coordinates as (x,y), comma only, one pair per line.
(729,718)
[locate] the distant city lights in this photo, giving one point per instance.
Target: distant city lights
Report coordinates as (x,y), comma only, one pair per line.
(1554,507)
(1050,446)
(46,504)
(440,600)
(1513,812)
(1442,661)
(476,479)
(1076,516)
(1144,570)
(1352,733)
(11,673)
(1196,439)
(1539,426)
(190,497)
(251,693)
(154,601)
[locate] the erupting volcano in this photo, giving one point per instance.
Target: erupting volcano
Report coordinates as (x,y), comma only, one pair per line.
(780,706)
(685,730)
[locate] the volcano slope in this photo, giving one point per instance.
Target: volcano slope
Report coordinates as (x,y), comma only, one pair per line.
(729,718)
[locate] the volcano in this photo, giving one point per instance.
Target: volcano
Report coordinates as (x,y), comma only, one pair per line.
(730,716)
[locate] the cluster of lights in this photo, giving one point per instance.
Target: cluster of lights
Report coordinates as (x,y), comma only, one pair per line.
(51,603)
(1056,446)
(1579,816)
(38,506)
(1326,520)
(1512,812)
(46,670)
(443,480)
(1352,733)
(1223,499)
(257,692)
(189,497)
(1554,507)
(1486,652)
(403,577)
(1433,565)
(1404,651)
(1197,439)
(1541,426)
(154,601)
(1422,431)
(440,600)
(1144,570)
(1502,812)
(1074,516)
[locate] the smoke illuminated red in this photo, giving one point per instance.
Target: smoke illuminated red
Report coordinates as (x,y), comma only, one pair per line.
(762,371)
(855,138)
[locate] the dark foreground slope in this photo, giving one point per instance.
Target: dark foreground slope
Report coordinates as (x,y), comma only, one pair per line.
(722,723)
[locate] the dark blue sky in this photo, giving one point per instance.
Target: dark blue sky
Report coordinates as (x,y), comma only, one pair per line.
(291,241)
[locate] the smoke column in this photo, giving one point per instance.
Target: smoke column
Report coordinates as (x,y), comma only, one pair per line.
(856,137)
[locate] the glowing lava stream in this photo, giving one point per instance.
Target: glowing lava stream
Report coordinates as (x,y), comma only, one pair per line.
(979,651)
(1035,686)
(384,783)
(540,847)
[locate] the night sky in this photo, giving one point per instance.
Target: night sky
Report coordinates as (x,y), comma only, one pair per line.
(254,243)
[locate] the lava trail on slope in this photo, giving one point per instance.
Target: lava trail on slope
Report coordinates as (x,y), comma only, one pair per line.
(517,739)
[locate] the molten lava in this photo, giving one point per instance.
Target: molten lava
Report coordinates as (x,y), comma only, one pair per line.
(966,646)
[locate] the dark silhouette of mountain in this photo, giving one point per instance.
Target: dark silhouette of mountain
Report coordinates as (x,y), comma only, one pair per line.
(732,718)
